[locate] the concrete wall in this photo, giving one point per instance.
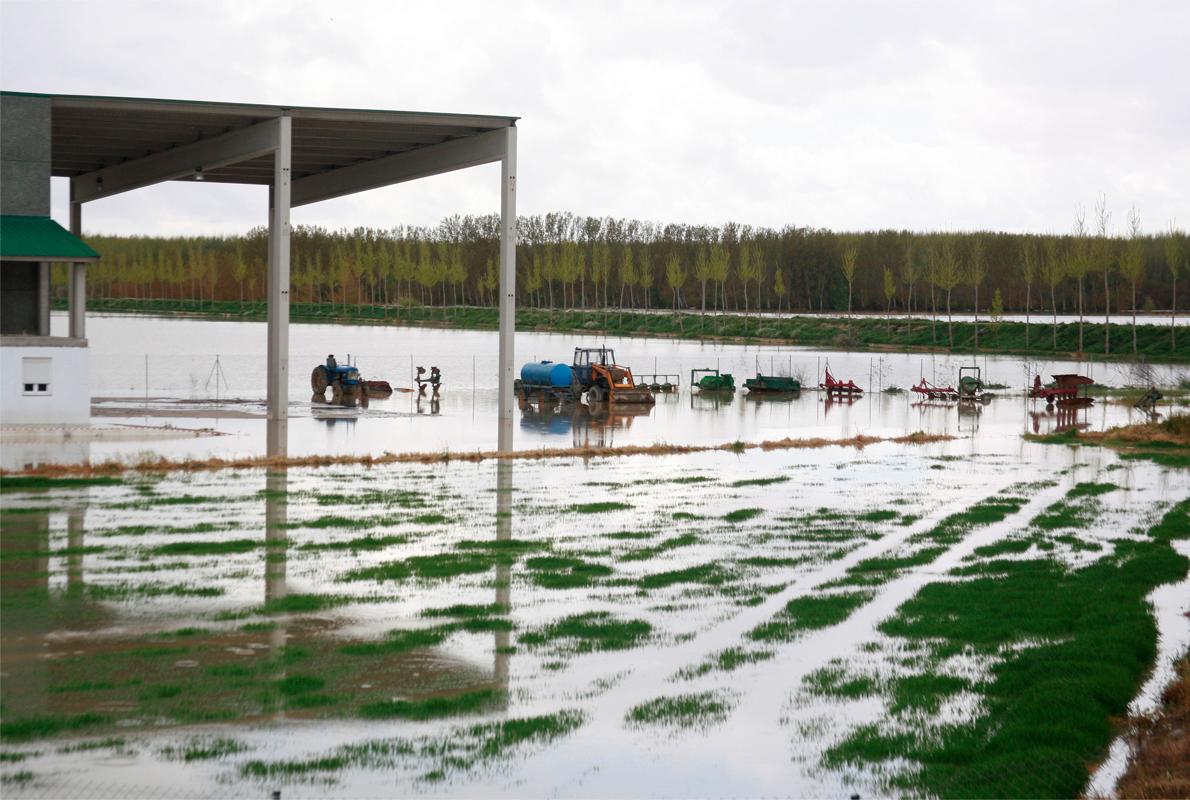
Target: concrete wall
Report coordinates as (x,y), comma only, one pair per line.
(25,156)
(65,371)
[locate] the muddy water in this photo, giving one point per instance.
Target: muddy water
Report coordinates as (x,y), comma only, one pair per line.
(207,614)
(163,372)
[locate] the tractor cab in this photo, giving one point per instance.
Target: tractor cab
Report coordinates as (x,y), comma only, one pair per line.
(587,357)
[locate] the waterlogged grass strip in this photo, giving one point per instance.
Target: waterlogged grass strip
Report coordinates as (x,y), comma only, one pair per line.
(699,710)
(1068,650)
(462,750)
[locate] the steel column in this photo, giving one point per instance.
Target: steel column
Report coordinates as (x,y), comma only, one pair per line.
(278,281)
(508,235)
(76,279)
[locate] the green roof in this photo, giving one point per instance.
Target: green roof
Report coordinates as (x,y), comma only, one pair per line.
(40,239)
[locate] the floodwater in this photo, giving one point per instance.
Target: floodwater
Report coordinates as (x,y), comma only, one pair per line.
(236,634)
(189,375)
(577,627)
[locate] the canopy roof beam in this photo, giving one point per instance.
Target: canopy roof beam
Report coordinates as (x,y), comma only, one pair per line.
(178,162)
(485,148)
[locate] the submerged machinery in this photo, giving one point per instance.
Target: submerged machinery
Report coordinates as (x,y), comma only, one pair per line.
(593,373)
(347,389)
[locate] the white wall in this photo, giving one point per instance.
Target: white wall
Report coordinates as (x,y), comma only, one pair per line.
(68,401)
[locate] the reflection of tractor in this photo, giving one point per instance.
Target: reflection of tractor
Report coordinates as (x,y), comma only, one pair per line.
(598,374)
(346,387)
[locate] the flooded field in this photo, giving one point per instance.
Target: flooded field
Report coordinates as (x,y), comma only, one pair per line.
(148,372)
(958,617)
(806,623)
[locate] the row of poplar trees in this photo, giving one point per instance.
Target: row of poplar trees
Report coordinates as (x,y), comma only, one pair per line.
(568,261)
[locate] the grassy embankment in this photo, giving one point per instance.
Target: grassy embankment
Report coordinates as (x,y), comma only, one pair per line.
(1166,441)
(861,333)
(1160,763)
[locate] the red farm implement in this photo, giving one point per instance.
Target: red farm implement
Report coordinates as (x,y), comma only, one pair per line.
(832,385)
(1066,390)
(932,392)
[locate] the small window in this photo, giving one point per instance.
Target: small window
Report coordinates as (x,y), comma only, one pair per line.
(36,374)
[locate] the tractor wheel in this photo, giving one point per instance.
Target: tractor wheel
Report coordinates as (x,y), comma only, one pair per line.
(320,378)
(336,395)
(595,394)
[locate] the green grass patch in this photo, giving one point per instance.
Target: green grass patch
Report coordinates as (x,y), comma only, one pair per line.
(431,567)
(564,572)
(35,483)
(707,574)
(743,514)
(595,630)
(684,711)
(759,481)
(598,508)
(127,591)
(465,611)
(432,707)
(632,535)
(199,547)
(302,603)
(359,544)
(808,613)
(726,661)
(204,748)
(835,681)
(25,728)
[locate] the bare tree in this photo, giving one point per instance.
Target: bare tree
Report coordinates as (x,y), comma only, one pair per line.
(850,255)
(1053,270)
(1174,256)
(1079,262)
(948,277)
(1104,257)
(977,271)
(1132,263)
(702,271)
(1028,275)
(890,291)
(909,272)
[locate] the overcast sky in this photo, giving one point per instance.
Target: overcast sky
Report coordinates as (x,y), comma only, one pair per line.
(848,115)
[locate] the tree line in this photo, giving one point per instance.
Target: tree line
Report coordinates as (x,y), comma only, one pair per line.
(576,262)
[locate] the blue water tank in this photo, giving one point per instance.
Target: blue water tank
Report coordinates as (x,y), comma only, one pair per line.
(546,373)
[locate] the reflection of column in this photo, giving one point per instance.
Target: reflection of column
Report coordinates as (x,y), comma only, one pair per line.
(75,528)
(276,539)
(503,571)
(277,438)
(276,515)
(27,613)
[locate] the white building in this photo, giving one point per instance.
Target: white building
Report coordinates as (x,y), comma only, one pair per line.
(44,379)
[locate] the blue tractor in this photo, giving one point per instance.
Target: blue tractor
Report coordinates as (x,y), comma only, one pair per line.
(347,389)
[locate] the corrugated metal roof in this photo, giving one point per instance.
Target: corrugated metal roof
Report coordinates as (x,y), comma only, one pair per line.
(40,239)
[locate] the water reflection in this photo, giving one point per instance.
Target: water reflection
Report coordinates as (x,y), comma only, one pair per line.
(596,425)
(502,643)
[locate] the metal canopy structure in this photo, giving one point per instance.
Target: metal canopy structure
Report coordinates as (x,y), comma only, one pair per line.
(109,145)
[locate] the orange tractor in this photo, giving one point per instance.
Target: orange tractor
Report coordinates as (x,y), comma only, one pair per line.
(605,381)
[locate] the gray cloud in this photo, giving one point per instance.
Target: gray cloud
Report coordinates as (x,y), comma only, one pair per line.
(845,114)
